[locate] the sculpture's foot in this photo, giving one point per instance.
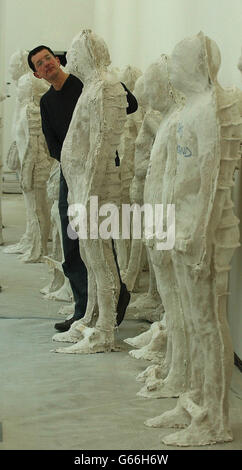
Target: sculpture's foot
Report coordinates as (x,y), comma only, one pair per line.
(147,355)
(201,431)
(141,340)
(176,418)
(45,290)
(61,294)
(94,341)
(155,349)
(160,389)
(30,258)
(151,372)
(67,309)
(197,434)
(150,316)
(14,249)
(73,335)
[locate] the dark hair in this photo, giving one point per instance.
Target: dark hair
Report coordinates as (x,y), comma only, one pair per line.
(35,51)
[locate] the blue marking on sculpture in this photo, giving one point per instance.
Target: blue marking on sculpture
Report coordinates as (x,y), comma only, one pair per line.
(180,128)
(185,151)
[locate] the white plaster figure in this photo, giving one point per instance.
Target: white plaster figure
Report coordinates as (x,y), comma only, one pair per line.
(147,306)
(34,160)
(126,150)
(161,100)
(2,97)
(202,145)
(88,165)
(135,264)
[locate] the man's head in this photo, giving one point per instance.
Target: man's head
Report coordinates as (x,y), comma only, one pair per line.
(43,62)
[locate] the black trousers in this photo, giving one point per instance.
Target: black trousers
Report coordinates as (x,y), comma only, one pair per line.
(73,266)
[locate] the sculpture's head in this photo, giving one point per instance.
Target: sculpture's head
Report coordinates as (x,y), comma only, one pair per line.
(18,64)
(157,87)
(213,58)
(188,67)
(129,76)
(87,55)
(139,92)
(240,62)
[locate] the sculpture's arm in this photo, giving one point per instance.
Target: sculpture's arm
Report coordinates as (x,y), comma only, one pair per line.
(207,159)
(107,119)
(145,141)
(197,245)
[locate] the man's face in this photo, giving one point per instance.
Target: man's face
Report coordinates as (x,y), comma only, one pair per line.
(46,65)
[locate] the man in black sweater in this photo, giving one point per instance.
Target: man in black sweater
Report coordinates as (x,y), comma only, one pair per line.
(57,106)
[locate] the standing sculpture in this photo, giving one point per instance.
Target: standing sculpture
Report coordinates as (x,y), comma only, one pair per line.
(88,164)
(202,145)
(2,97)
(126,150)
(34,160)
(147,306)
(165,342)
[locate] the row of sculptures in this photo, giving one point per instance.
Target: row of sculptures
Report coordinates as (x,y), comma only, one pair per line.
(181,147)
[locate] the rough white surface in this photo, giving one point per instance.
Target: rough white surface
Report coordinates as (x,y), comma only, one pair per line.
(126,152)
(59,285)
(193,160)
(2,97)
(148,121)
(34,161)
(88,164)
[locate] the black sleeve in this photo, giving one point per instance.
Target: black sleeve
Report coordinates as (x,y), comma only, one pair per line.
(52,141)
(132,102)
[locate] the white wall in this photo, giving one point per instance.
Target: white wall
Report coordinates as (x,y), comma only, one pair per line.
(29,23)
(137,32)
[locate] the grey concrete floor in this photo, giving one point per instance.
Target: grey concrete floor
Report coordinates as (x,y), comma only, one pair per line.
(54,401)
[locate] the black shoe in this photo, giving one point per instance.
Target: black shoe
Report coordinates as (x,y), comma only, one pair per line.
(65,325)
(123,302)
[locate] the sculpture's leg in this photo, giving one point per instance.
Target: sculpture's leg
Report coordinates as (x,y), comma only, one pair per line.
(99,257)
(134,264)
(43,214)
(92,310)
(33,251)
(212,364)
(108,283)
(176,354)
(41,173)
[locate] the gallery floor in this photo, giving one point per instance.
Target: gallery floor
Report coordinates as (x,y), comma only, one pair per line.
(65,401)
